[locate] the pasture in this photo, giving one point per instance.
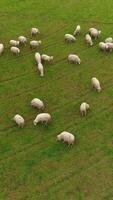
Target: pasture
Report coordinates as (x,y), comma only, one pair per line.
(33,164)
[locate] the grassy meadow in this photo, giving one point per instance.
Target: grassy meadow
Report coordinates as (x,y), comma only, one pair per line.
(33,165)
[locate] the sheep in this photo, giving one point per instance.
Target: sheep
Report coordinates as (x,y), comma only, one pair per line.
(96,84)
(88,39)
(66,137)
(34,31)
(94,32)
(103,46)
(73,58)
(22,40)
(34,43)
(15,50)
(42,117)
(1,48)
(46,57)
(109,39)
(37,103)
(77,30)
(19,120)
(41,69)
(38,57)
(83,108)
(14,43)
(110,46)
(69,38)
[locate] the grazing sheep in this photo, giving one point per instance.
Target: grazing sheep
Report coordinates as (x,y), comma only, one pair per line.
(14,43)
(1,48)
(15,50)
(103,46)
(77,30)
(34,31)
(72,58)
(19,120)
(66,137)
(22,40)
(43,117)
(46,57)
(41,69)
(37,103)
(109,39)
(88,39)
(34,43)
(38,57)
(83,108)
(96,84)
(110,46)
(94,32)
(69,38)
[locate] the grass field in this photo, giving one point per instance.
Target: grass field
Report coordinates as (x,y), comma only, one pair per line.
(33,165)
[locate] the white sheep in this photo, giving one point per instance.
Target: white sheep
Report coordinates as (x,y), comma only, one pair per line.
(15,50)
(96,84)
(19,120)
(69,38)
(103,46)
(42,117)
(77,30)
(22,40)
(1,48)
(40,69)
(73,58)
(46,57)
(83,108)
(94,32)
(38,57)
(37,103)
(35,43)
(34,31)
(66,137)
(109,39)
(88,39)
(14,43)
(110,46)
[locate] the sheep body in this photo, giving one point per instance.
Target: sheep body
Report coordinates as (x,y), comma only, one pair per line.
(19,120)
(109,39)
(35,43)
(96,84)
(22,40)
(37,103)
(14,43)
(69,38)
(94,32)
(43,117)
(34,31)
(88,39)
(73,58)
(38,57)
(15,50)
(77,30)
(83,108)
(46,57)
(103,46)
(66,137)
(1,48)
(40,69)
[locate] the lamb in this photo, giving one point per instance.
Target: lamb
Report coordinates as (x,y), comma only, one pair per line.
(41,69)
(109,39)
(14,43)
(83,108)
(38,57)
(96,84)
(46,57)
(103,46)
(94,32)
(88,39)
(73,58)
(34,43)
(110,46)
(77,30)
(42,117)
(34,31)
(66,137)
(22,40)
(1,48)
(69,38)
(15,50)
(19,120)
(37,103)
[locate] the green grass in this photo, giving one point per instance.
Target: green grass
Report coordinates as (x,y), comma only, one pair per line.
(33,165)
